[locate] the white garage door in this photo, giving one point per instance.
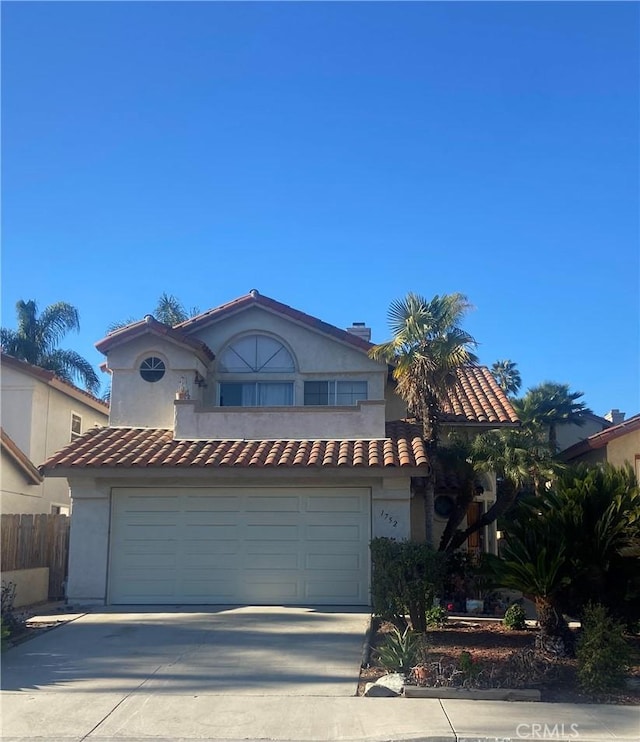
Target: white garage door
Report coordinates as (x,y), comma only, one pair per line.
(238,546)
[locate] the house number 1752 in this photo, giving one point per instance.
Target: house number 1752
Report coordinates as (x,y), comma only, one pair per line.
(387,516)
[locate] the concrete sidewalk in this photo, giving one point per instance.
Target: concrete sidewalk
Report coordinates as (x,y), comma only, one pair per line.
(110,717)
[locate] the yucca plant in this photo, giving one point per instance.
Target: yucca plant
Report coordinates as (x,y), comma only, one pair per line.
(401,651)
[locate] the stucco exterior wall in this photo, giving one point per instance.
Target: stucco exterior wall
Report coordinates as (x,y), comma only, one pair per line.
(89,542)
(139,403)
(37,417)
(32,585)
(365,420)
(18,494)
(569,433)
(624,449)
(17,406)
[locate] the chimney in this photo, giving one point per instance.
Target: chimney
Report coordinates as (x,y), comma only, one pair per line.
(359,329)
(615,416)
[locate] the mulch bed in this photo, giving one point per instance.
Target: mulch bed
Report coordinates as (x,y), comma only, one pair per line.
(502,658)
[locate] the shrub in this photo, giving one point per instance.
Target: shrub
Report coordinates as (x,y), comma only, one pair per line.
(400,651)
(9,619)
(515,617)
(469,668)
(602,652)
(436,616)
(407,576)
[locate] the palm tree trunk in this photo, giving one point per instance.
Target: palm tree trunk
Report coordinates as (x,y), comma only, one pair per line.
(555,635)
(429,507)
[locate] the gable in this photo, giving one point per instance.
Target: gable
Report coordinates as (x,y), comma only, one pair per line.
(313,350)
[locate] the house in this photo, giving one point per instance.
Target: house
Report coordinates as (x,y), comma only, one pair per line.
(617,445)
(252,453)
(40,415)
(569,433)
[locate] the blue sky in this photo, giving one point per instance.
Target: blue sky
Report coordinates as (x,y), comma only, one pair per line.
(334,156)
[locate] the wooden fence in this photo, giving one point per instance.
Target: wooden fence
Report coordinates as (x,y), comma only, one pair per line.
(28,541)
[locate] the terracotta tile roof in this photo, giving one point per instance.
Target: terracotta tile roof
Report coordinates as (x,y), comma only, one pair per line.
(151,325)
(477,398)
(600,440)
(55,381)
(20,458)
(155,448)
(254,298)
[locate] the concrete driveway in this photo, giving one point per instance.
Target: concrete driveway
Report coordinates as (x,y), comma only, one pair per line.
(216,650)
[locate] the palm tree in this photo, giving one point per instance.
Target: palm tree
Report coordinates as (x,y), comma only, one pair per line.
(548,405)
(520,463)
(169,310)
(36,341)
(507,376)
(426,351)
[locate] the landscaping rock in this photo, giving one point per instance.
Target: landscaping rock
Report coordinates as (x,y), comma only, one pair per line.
(387,686)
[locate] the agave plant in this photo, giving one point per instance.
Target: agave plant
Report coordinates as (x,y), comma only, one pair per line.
(401,651)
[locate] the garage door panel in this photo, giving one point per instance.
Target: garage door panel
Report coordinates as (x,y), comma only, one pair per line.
(204,588)
(334,505)
(335,562)
(142,561)
(235,545)
(208,504)
(271,590)
(262,504)
(333,533)
(272,533)
(194,561)
(135,504)
(271,562)
(152,532)
(208,518)
(348,590)
(208,531)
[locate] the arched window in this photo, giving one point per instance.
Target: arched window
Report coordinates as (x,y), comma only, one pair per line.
(256,354)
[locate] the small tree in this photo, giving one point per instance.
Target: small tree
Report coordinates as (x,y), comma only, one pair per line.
(407,576)
(602,652)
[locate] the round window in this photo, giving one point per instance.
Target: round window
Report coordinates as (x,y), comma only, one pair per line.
(152,369)
(444,506)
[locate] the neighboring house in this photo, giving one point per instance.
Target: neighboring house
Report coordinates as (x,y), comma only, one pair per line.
(618,445)
(252,453)
(568,434)
(40,415)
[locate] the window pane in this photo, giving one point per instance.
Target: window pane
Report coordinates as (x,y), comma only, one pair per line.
(350,392)
(256,353)
(275,395)
(273,356)
(260,394)
(231,395)
(316,392)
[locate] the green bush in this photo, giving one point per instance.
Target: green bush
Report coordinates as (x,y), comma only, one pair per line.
(407,576)
(436,616)
(10,621)
(602,652)
(400,651)
(515,617)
